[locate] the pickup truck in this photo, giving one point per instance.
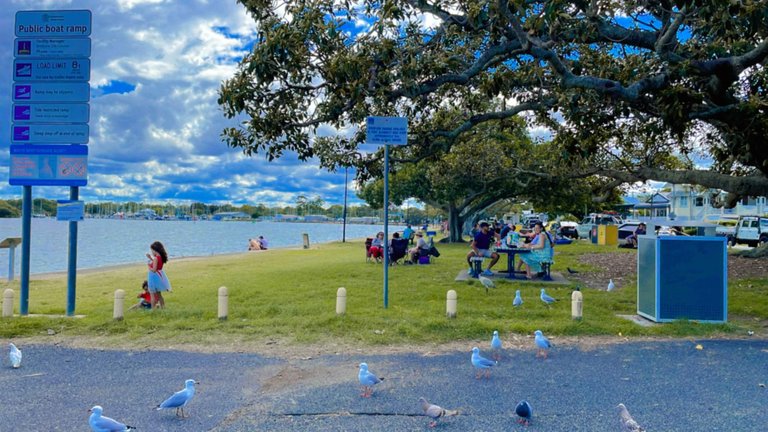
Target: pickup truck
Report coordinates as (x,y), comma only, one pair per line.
(750,230)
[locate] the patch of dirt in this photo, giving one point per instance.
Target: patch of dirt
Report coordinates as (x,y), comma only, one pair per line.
(622,268)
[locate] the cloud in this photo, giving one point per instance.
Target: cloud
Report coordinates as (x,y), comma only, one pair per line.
(156,67)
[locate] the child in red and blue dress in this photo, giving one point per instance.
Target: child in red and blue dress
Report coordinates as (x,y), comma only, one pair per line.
(156,278)
(146,299)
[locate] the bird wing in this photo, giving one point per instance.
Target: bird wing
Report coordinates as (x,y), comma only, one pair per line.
(481,362)
(543,342)
(178,399)
(368,378)
(15,356)
(107,424)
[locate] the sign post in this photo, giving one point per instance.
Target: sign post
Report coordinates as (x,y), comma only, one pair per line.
(51,70)
(386,131)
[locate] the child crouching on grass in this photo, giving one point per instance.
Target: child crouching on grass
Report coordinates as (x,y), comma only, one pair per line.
(146,299)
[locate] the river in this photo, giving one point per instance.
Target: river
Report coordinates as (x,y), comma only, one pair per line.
(106,242)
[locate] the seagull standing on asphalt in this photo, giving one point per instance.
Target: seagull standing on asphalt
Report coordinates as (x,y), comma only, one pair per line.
(496,345)
(180,399)
(99,423)
(14,354)
(482,364)
(435,412)
(367,380)
(628,424)
(542,343)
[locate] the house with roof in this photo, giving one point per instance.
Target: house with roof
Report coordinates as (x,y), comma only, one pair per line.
(686,202)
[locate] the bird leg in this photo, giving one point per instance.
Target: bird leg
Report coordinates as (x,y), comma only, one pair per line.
(367,392)
(433,424)
(478,374)
(488,373)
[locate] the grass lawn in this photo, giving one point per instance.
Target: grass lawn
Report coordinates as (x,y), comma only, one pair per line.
(290,295)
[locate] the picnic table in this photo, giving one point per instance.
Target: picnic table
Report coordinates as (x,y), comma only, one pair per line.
(511,252)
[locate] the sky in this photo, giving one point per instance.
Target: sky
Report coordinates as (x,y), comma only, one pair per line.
(156,67)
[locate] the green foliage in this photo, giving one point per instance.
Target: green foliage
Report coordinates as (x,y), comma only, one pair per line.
(289,296)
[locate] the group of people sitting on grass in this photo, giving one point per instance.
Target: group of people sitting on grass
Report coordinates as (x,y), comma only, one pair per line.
(398,248)
(539,242)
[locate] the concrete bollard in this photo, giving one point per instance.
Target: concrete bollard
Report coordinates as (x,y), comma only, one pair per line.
(450,304)
(117,312)
(223,303)
(8,303)
(306,240)
(341,301)
(576,305)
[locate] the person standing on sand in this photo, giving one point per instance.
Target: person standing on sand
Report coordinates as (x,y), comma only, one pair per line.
(156,278)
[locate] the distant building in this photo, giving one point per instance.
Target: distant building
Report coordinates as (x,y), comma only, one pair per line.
(685,202)
(316,218)
(231,216)
(286,218)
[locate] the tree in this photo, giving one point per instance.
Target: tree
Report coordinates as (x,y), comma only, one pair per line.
(593,71)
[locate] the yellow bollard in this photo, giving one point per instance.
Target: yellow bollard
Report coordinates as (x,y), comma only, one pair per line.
(341,301)
(8,303)
(576,305)
(117,312)
(223,303)
(450,304)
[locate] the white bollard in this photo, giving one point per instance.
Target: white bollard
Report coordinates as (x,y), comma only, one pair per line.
(306,240)
(117,312)
(450,304)
(341,301)
(576,305)
(8,303)
(223,303)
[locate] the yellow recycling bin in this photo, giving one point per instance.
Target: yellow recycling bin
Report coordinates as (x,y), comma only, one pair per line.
(607,235)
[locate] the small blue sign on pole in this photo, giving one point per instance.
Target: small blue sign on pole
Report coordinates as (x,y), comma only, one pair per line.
(52,47)
(49,165)
(52,92)
(53,23)
(70,210)
(51,113)
(75,133)
(63,69)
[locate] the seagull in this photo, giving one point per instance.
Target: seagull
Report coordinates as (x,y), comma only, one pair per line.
(518,300)
(487,283)
(367,380)
(480,363)
(100,423)
(496,345)
(435,412)
(180,399)
(15,355)
(524,410)
(628,424)
(542,343)
(546,298)
(611,285)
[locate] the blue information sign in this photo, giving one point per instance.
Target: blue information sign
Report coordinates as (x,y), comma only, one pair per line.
(52,47)
(49,165)
(70,210)
(52,92)
(50,113)
(53,23)
(63,69)
(387,130)
(76,133)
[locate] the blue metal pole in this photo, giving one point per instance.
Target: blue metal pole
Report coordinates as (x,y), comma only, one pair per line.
(72,257)
(386,225)
(26,230)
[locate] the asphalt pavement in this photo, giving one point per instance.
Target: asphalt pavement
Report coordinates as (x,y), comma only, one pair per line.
(666,385)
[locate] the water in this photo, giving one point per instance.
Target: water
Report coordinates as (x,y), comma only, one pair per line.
(105,242)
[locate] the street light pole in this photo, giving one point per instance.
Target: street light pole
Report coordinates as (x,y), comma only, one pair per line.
(344,212)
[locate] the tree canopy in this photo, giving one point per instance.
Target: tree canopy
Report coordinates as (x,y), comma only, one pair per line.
(632,89)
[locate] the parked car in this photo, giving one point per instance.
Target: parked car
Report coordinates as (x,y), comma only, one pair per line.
(750,230)
(567,229)
(596,219)
(627,228)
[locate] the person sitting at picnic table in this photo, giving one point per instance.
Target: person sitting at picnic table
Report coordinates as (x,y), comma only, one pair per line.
(377,247)
(632,238)
(422,247)
(481,247)
(541,251)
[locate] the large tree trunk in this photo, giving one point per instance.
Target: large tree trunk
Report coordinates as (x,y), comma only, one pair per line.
(455,224)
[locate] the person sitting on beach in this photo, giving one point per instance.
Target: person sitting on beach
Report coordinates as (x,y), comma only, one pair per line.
(422,247)
(146,298)
(263,242)
(253,244)
(377,247)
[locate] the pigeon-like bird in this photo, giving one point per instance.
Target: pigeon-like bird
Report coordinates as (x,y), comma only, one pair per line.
(435,412)
(180,399)
(611,285)
(482,364)
(15,355)
(518,300)
(542,343)
(496,345)
(628,424)
(367,380)
(99,423)
(525,412)
(487,283)
(546,298)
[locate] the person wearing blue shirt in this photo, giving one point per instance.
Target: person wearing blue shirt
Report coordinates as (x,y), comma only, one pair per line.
(481,247)
(408,233)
